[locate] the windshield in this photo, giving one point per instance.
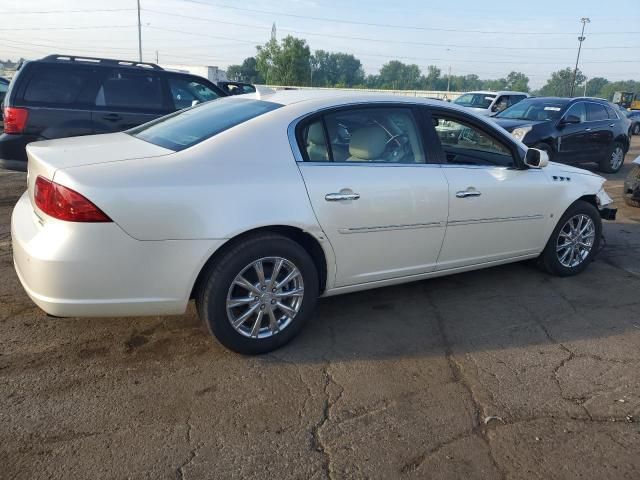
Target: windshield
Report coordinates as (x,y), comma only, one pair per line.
(534,109)
(188,127)
(475,100)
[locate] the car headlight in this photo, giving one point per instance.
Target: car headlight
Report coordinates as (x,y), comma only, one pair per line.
(521,132)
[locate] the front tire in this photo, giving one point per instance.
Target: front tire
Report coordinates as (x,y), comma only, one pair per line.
(574,242)
(258,295)
(614,161)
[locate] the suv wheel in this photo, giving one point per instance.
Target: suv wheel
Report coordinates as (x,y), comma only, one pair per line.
(574,242)
(614,161)
(632,188)
(259,294)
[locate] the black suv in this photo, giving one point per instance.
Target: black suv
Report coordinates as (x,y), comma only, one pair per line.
(64,96)
(570,130)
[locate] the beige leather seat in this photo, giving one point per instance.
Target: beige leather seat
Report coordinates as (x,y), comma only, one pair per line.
(316,146)
(367,144)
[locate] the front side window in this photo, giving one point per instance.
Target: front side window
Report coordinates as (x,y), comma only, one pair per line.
(189,127)
(374,135)
(131,90)
(465,144)
(596,112)
(577,110)
(186,92)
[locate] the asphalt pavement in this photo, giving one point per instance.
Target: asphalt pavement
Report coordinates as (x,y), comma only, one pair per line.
(504,373)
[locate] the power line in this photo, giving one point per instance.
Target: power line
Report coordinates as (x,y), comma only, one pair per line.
(371,24)
(65,28)
(378,40)
(39,12)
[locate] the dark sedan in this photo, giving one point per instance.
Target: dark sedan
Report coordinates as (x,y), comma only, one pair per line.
(570,130)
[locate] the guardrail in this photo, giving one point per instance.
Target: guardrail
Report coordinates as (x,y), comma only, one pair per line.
(440,94)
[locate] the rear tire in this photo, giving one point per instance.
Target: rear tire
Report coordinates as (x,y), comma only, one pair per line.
(276,308)
(636,129)
(614,160)
(567,243)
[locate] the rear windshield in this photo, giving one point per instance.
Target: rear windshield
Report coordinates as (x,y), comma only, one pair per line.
(189,127)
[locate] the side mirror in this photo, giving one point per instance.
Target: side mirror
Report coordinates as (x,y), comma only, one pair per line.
(535,158)
(570,120)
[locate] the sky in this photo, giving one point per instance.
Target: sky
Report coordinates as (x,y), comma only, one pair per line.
(487,38)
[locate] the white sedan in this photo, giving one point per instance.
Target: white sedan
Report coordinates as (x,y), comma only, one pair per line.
(257,207)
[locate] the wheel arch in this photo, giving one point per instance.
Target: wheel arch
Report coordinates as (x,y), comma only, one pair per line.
(310,243)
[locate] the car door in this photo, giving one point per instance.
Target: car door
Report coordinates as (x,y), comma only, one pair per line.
(128,97)
(381,205)
(574,140)
(600,128)
(496,210)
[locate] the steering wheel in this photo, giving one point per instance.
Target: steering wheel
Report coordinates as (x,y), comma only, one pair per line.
(396,148)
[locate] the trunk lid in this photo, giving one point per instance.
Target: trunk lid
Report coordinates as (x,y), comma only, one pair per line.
(50,155)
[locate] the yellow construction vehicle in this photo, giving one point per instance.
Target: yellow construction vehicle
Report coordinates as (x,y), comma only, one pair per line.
(628,100)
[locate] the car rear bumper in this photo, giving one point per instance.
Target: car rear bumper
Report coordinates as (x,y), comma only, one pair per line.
(97,270)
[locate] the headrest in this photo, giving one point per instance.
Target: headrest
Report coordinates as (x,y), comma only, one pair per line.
(367,143)
(315,134)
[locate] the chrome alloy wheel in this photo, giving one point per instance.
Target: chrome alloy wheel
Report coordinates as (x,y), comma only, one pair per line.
(617,157)
(265,297)
(575,240)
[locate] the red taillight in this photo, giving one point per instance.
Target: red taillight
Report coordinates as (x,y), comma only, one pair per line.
(15,119)
(62,203)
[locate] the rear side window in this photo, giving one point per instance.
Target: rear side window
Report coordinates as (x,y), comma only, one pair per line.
(131,90)
(595,112)
(612,113)
(56,85)
(189,127)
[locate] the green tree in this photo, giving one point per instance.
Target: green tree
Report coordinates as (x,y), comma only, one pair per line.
(432,80)
(559,85)
(399,76)
(517,82)
(247,72)
(595,86)
(621,86)
(287,63)
(495,85)
(336,69)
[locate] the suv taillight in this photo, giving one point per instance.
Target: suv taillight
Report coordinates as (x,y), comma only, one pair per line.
(62,203)
(15,119)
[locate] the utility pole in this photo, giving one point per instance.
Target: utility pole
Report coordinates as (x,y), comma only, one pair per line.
(139,34)
(449,79)
(157,58)
(581,38)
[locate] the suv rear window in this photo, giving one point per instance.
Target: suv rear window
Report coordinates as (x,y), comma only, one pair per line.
(189,127)
(53,85)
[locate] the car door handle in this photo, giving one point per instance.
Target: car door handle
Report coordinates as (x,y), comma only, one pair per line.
(468,193)
(612,125)
(112,117)
(336,197)
(587,129)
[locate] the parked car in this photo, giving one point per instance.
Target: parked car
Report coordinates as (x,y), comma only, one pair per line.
(4,86)
(236,88)
(489,103)
(632,185)
(634,116)
(64,96)
(256,208)
(570,130)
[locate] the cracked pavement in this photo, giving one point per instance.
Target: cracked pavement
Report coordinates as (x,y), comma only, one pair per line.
(504,373)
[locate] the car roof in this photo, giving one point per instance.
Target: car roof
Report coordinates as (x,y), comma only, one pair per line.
(501,92)
(338,97)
